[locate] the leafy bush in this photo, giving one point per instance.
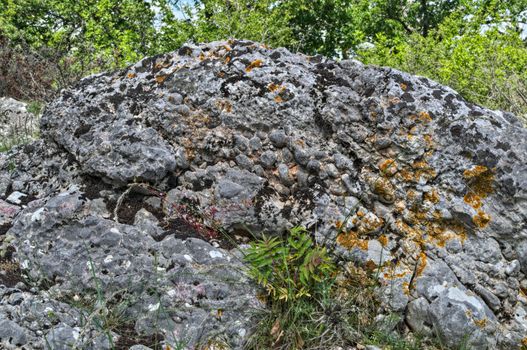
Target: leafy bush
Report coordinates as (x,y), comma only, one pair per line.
(488,67)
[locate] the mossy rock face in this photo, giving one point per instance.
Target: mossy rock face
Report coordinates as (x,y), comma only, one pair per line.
(389,170)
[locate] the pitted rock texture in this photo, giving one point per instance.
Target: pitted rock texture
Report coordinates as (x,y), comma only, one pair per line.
(388,169)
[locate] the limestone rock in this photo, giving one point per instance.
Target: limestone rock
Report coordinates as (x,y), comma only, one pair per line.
(387,168)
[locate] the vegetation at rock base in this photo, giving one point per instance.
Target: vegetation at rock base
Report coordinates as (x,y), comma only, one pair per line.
(312,304)
(478,47)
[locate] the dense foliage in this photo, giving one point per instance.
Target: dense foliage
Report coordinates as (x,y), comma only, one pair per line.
(475,46)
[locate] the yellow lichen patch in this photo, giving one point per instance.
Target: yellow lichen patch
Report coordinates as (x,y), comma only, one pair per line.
(384,188)
(406,175)
(432,196)
(423,169)
(406,288)
(383,240)
(400,206)
(273,87)
(524,341)
(388,167)
(481,219)
(224,105)
(473,200)
(424,117)
(131,75)
(403,86)
(254,64)
(421,264)
(350,240)
(428,140)
(160,79)
(369,223)
(481,323)
(338,224)
(480,180)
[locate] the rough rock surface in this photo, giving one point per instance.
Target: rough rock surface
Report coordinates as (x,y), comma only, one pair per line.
(17,124)
(139,169)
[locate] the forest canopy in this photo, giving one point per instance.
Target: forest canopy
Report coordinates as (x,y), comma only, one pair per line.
(478,47)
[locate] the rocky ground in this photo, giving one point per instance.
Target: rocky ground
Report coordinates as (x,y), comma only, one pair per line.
(129,208)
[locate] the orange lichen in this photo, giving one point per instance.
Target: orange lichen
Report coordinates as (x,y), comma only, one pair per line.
(160,79)
(400,206)
(428,140)
(388,167)
(406,175)
(273,87)
(350,240)
(131,75)
(481,219)
(227,60)
(254,64)
(224,105)
(423,169)
(384,188)
(383,240)
(368,224)
(406,288)
(421,264)
(480,180)
(403,86)
(473,200)
(278,99)
(481,323)
(432,196)
(424,117)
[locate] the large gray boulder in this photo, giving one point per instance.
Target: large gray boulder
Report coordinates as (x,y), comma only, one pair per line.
(230,137)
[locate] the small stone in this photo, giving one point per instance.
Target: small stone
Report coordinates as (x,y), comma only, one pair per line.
(244,162)
(283,173)
(302,178)
(181,159)
(313,166)
(287,156)
(301,156)
(255,144)
(16,197)
(268,159)
(331,170)
(342,162)
(278,138)
(241,142)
